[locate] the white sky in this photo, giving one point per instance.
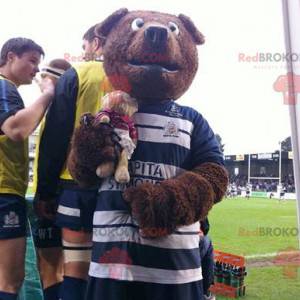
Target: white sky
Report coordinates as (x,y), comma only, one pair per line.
(236,97)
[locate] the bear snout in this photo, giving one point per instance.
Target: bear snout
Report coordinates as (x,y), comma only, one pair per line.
(156,37)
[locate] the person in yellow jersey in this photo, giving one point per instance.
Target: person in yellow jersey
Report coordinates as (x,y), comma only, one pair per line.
(79,90)
(47,235)
(19,60)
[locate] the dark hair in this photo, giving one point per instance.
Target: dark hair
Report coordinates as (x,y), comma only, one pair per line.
(90,34)
(60,64)
(18,46)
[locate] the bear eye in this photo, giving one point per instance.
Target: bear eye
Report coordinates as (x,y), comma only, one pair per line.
(137,24)
(174,27)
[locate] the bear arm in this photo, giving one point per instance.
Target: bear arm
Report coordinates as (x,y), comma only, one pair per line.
(180,201)
(217,176)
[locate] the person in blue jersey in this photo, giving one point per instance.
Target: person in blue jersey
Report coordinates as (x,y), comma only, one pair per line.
(19,60)
(146,233)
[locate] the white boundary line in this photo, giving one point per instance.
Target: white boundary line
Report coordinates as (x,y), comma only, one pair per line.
(262,255)
(272,254)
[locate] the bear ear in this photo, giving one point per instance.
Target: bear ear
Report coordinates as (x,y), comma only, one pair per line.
(102,29)
(198,37)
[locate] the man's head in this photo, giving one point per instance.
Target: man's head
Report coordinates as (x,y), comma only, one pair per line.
(54,69)
(92,45)
(19,60)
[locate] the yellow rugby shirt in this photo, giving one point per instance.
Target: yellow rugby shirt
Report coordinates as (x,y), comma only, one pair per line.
(79,90)
(13,155)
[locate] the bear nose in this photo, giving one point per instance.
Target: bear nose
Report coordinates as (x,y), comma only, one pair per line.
(156,36)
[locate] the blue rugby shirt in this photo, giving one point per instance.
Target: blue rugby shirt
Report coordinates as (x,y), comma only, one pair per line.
(171,139)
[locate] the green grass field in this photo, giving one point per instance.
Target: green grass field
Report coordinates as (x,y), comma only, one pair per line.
(236,225)
(239,226)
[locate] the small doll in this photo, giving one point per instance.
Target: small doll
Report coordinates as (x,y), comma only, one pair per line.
(117,110)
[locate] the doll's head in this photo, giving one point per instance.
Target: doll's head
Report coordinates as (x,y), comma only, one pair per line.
(120,102)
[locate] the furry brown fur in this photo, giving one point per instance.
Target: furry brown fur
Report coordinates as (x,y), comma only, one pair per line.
(159,61)
(91,145)
(178,201)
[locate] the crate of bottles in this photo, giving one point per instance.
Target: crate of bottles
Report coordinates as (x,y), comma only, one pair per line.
(229,275)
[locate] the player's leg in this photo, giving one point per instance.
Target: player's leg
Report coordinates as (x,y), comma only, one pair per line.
(75,216)
(47,238)
(12,245)
(77,247)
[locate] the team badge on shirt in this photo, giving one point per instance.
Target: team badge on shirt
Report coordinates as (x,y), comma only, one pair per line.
(174,111)
(171,129)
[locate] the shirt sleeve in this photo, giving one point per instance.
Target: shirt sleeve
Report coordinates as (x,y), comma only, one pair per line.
(57,133)
(204,147)
(10,101)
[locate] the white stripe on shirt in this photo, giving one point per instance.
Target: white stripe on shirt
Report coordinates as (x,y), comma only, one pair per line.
(139,169)
(122,217)
(68,211)
(155,135)
(139,273)
(161,121)
(133,235)
(127,233)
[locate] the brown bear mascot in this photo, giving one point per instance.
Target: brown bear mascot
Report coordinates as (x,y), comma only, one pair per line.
(146,232)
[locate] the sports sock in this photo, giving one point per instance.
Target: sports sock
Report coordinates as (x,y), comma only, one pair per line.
(52,292)
(8,296)
(73,288)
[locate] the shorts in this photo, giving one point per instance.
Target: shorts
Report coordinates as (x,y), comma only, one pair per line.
(46,234)
(76,209)
(110,289)
(13,216)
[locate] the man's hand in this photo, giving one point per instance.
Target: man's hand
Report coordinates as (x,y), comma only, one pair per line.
(46,85)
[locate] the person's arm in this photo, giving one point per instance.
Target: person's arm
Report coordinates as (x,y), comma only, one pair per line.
(20,125)
(56,137)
